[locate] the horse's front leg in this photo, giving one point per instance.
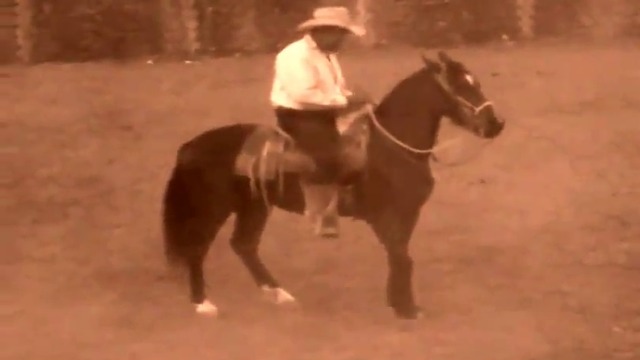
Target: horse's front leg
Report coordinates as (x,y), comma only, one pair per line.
(399,287)
(394,230)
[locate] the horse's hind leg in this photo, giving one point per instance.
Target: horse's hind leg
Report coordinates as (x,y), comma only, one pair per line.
(196,284)
(251,219)
(196,204)
(203,234)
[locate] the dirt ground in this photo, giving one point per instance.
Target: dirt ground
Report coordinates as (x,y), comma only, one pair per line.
(529,251)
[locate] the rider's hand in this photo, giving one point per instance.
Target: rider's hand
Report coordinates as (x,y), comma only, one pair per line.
(359,97)
(339,100)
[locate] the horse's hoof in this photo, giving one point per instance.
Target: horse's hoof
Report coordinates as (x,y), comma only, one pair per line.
(207,308)
(329,235)
(327,231)
(278,296)
(414,313)
(327,227)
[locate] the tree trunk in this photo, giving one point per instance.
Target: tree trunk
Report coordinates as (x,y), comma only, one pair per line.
(190,24)
(205,26)
(25,30)
(526,9)
(180,27)
(170,28)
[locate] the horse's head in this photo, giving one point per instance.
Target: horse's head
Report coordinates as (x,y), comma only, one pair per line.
(468,107)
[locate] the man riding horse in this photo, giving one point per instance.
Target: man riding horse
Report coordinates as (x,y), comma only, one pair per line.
(308,95)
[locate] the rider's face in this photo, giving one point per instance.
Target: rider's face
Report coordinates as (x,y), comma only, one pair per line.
(329,38)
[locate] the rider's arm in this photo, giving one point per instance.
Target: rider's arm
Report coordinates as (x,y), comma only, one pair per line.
(299,79)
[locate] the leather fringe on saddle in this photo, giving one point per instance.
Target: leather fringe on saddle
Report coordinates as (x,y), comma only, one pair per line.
(265,163)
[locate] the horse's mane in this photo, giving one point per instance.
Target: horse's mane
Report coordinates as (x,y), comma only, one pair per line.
(423,75)
(414,105)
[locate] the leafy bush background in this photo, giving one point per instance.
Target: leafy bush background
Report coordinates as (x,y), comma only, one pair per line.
(81,30)
(67,30)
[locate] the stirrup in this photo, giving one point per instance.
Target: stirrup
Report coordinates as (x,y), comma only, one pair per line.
(321,207)
(327,226)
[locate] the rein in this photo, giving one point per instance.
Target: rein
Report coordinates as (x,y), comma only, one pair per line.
(398,142)
(369,109)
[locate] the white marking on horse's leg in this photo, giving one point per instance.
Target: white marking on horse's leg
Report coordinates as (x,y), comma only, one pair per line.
(207,308)
(277,295)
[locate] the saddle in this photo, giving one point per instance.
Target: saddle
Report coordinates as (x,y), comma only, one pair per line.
(269,152)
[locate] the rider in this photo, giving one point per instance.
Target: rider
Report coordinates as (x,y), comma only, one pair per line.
(308,93)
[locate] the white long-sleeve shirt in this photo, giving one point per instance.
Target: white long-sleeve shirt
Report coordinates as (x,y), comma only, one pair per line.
(307,78)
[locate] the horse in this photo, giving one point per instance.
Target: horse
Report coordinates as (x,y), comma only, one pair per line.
(205,188)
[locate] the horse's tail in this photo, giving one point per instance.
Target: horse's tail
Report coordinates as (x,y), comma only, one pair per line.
(176,209)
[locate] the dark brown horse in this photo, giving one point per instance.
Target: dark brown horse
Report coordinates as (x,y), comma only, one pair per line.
(395,182)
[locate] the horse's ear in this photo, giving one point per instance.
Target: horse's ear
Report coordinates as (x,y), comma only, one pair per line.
(444,57)
(431,65)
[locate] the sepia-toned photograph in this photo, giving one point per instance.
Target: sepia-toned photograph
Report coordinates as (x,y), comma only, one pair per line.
(320,179)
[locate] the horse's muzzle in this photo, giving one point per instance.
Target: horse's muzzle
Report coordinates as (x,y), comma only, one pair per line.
(494,129)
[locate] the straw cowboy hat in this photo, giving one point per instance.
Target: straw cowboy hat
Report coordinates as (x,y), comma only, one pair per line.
(337,16)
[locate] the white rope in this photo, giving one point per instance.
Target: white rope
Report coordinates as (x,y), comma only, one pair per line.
(398,142)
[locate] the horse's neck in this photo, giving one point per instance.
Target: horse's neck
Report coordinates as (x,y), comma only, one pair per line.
(416,137)
(413,122)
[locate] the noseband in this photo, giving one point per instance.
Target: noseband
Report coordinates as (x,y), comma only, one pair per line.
(475,109)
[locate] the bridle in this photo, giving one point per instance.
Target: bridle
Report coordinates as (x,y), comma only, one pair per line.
(369,108)
(475,109)
(462,101)
(400,143)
